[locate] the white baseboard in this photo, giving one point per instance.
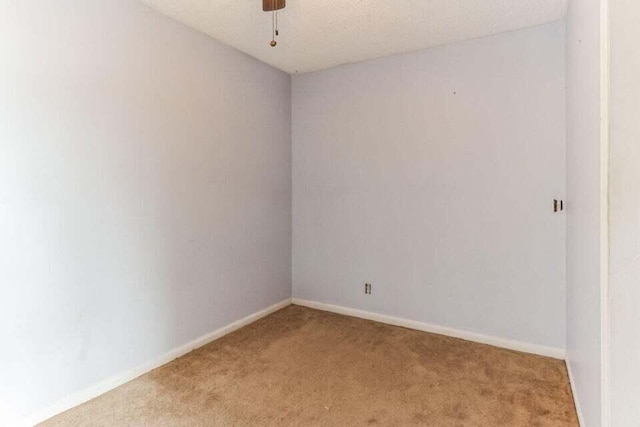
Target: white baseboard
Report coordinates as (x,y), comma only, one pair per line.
(574,393)
(113,382)
(556,353)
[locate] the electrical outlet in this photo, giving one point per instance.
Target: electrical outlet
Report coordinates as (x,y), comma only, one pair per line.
(367,288)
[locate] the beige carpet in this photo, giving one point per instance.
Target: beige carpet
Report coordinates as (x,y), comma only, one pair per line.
(302,367)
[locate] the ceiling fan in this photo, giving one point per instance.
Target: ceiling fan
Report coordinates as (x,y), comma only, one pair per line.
(273,6)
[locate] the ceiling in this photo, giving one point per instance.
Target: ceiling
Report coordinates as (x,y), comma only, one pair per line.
(318,34)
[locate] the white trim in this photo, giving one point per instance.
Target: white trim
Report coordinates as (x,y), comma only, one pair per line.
(556,353)
(605,85)
(124,377)
(575,394)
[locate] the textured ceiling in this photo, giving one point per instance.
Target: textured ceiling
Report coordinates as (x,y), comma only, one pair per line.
(317,34)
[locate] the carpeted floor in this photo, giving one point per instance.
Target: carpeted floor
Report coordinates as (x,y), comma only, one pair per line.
(302,367)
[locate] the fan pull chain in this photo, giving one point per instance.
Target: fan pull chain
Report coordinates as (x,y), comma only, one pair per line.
(274,18)
(274,7)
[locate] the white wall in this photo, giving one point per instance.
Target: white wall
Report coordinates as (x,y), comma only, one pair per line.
(624,211)
(144,191)
(431,175)
(586,199)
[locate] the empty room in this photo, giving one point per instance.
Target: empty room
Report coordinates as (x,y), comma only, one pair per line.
(320,213)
